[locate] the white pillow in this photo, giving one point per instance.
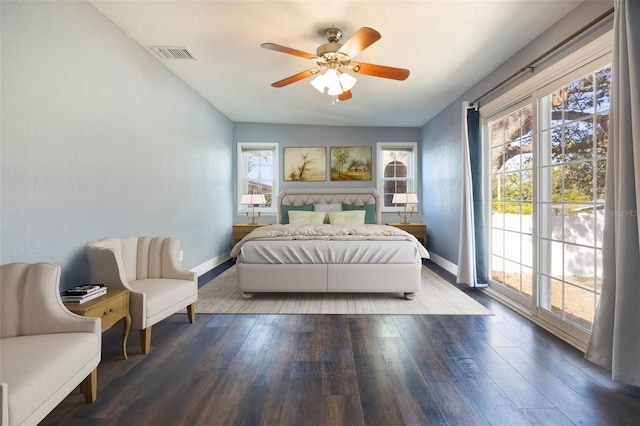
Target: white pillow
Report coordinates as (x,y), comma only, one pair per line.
(327,208)
(299,217)
(350,217)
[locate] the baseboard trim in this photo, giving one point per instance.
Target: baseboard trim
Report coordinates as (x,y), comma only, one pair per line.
(444,263)
(210,264)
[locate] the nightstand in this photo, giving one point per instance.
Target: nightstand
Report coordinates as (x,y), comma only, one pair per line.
(418,230)
(240,230)
(110,308)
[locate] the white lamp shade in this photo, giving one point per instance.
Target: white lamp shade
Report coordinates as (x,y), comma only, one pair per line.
(332,81)
(347,81)
(403,198)
(253,199)
(319,82)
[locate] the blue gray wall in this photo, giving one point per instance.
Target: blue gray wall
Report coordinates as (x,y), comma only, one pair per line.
(441,137)
(99,139)
(288,135)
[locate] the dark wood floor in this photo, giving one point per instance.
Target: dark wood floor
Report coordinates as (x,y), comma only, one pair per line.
(351,370)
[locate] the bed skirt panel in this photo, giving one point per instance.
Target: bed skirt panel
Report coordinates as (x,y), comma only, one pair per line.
(298,278)
(374,278)
(334,278)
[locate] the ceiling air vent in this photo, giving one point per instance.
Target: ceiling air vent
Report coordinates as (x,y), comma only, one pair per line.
(168,52)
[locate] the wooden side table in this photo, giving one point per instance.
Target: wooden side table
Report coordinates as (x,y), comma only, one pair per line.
(418,230)
(240,230)
(110,308)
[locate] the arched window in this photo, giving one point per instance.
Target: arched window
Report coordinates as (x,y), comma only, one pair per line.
(397,166)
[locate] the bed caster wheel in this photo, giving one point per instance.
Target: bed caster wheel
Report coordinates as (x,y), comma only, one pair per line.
(409,296)
(247,295)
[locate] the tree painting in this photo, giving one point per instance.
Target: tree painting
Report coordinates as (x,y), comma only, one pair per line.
(339,157)
(350,163)
(305,164)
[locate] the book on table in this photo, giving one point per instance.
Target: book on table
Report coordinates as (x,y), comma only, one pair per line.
(84,289)
(83,293)
(82,299)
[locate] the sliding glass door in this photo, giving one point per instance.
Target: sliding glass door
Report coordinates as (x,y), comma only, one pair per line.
(573,129)
(548,161)
(512,202)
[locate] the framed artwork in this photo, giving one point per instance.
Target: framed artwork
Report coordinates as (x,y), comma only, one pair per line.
(350,163)
(308,164)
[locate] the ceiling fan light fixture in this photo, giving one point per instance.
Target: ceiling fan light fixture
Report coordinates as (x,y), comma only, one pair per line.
(319,82)
(334,91)
(332,81)
(333,60)
(347,81)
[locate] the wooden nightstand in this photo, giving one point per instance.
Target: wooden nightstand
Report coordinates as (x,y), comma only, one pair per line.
(241,230)
(418,230)
(110,308)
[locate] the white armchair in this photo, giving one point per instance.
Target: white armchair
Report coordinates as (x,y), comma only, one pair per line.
(45,350)
(149,268)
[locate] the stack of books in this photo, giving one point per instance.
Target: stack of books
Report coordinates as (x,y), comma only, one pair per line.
(83,293)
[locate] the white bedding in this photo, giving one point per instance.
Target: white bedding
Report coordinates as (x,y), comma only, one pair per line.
(331,233)
(328,251)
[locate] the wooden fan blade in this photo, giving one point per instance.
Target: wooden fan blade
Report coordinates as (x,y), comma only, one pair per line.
(294,78)
(362,39)
(345,96)
(380,71)
(288,50)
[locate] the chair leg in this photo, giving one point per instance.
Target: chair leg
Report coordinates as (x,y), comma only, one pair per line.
(89,386)
(191,311)
(145,340)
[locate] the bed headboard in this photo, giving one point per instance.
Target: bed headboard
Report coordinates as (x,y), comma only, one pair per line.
(356,196)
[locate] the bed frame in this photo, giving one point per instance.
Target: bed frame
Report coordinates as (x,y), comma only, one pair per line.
(332,278)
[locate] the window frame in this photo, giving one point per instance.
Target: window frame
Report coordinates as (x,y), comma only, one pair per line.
(518,297)
(412,170)
(542,237)
(241,178)
(591,56)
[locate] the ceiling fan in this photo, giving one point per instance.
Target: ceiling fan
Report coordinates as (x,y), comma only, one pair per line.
(334,60)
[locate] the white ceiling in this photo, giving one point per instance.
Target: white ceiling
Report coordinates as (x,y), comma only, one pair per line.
(448,45)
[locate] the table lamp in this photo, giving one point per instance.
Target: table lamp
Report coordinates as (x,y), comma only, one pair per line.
(403,198)
(253,200)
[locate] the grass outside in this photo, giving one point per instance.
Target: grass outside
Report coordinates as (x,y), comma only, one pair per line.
(350,175)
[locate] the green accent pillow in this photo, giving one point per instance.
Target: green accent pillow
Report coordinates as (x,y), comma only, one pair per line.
(370,212)
(284,211)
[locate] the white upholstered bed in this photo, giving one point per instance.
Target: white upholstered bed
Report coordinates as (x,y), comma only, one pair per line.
(371,258)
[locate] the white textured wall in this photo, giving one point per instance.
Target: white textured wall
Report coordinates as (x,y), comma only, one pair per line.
(569,259)
(99,139)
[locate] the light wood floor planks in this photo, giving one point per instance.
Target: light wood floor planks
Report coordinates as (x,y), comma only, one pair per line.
(351,370)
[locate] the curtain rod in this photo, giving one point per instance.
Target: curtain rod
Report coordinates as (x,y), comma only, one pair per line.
(530,65)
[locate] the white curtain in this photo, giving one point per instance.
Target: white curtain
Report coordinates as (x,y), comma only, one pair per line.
(469,271)
(615,339)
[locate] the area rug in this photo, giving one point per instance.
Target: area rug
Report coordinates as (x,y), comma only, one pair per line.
(437,297)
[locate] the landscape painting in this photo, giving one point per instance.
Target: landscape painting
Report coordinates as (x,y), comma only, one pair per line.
(307,164)
(350,163)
